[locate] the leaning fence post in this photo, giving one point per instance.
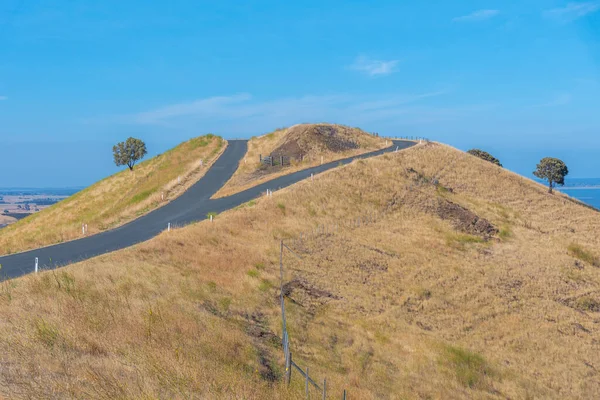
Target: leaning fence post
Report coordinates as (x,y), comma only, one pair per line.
(344,394)
(307,394)
(36,265)
(288,370)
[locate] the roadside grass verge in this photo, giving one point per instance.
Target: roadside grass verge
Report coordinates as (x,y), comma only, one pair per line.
(117,199)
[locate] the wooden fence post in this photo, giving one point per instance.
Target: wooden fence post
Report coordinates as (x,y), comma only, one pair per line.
(288,370)
(307,394)
(324,388)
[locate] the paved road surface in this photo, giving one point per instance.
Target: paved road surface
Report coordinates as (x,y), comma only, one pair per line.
(191,206)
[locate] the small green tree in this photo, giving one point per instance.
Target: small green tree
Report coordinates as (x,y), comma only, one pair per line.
(129,152)
(552,170)
(485,156)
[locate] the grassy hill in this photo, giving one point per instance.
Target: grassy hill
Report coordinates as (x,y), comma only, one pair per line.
(116,199)
(307,144)
(470,282)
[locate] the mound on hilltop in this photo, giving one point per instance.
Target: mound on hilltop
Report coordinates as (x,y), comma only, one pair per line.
(317,139)
(426,273)
(306,145)
(117,199)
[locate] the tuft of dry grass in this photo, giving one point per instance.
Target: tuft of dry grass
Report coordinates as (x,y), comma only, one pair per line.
(251,172)
(384,310)
(117,199)
(584,255)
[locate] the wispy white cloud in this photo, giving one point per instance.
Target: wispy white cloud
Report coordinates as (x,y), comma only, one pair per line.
(373,67)
(3,98)
(480,15)
(559,100)
(573,11)
(212,106)
(242,109)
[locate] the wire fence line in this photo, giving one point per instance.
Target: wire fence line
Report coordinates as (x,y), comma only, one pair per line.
(296,242)
(283,160)
(319,231)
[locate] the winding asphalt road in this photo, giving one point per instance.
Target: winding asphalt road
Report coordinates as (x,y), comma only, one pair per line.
(191,206)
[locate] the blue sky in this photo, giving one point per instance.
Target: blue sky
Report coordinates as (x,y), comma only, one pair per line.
(520,79)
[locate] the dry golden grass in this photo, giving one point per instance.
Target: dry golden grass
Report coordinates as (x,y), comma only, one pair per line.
(404,307)
(5,219)
(117,199)
(251,173)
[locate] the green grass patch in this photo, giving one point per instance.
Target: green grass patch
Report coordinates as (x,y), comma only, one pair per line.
(583,254)
(470,368)
(265,285)
(281,206)
(461,240)
(253,273)
(505,232)
(46,333)
(442,190)
(225,303)
(138,198)
(587,303)
(212,214)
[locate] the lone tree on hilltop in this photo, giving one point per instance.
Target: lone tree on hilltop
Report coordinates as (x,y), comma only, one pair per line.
(129,152)
(552,170)
(485,156)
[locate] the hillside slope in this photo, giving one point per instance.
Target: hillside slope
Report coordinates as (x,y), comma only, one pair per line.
(460,280)
(117,199)
(306,144)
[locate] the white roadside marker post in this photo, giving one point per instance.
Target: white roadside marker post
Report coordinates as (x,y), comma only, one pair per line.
(211,218)
(36,265)
(83,229)
(169,227)
(321,160)
(178,179)
(86,229)
(312,177)
(162,196)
